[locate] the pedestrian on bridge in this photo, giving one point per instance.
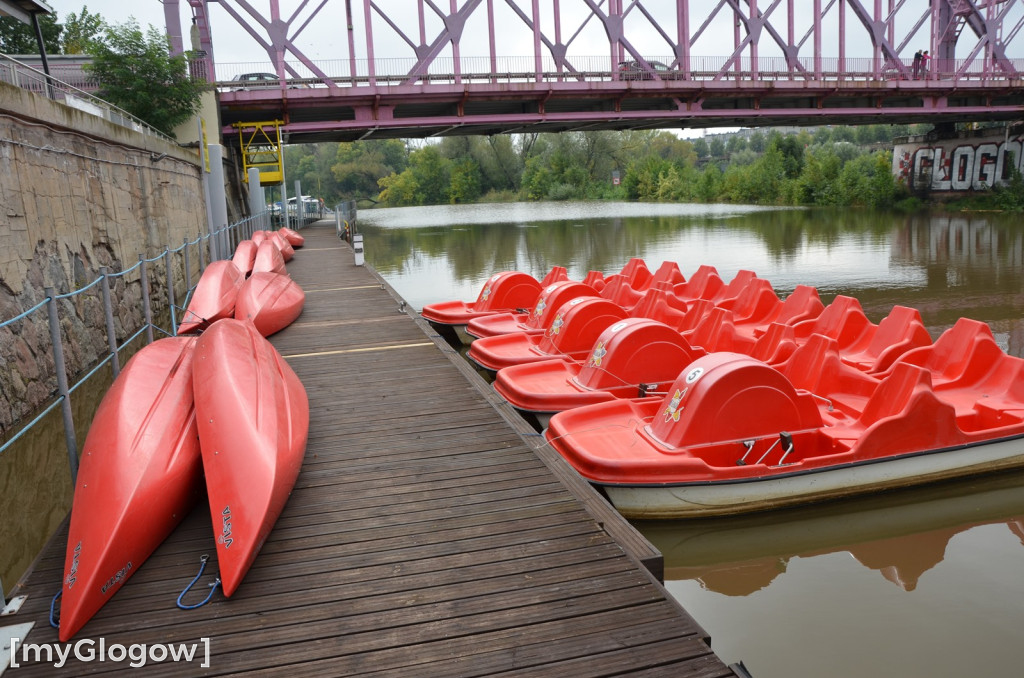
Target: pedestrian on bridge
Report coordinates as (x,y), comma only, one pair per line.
(924,64)
(917,64)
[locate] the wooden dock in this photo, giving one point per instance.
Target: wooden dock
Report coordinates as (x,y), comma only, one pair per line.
(429,533)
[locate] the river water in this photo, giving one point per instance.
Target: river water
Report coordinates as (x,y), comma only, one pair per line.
(924,582)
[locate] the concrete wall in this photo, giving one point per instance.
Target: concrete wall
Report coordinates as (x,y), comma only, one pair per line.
(78,193)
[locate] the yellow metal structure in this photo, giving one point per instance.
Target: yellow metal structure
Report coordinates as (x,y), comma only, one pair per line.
(261,148)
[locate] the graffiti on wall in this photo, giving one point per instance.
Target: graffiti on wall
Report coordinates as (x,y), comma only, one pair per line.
(958,164)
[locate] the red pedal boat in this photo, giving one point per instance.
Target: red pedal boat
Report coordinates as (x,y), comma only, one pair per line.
(214,296)
(270,300)
(508,291)
(573,331)
(540,316)
(635,357)
(735,435)
(140,474)
(253,417)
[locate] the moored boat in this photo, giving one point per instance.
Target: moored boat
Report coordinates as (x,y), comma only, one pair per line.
(253,417)
(572,333)
(270,300)
(538,319)
(504,292)
(214,296)
(735,435)
(635,357)
(140,474)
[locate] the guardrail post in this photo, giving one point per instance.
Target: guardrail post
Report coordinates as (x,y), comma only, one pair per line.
(170,291)
(108,315)
(202,254)
(147,310)
(188,269)
(62,382)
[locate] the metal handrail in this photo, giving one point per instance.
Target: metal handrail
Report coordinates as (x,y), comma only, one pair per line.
(24,76)
(61,396)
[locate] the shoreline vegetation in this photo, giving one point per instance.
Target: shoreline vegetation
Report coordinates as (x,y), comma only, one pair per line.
(822,167)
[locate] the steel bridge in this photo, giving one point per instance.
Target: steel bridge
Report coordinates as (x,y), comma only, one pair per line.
(558,65)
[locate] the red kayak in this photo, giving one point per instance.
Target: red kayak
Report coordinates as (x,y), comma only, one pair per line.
(270,300)
(253,422)
(245,256)
(287,251)
(268,258)
(214,297)
(140,474)
(292,237)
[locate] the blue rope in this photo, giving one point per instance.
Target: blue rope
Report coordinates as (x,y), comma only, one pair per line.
(55,623)
(213,587)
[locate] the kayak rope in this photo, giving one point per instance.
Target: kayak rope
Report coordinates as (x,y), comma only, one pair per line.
(213,587)
(55,621)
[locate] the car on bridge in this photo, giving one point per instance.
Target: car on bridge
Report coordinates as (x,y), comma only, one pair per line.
(634,70)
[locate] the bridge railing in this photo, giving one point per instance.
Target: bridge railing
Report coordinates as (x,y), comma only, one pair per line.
(22,75)
(447,70)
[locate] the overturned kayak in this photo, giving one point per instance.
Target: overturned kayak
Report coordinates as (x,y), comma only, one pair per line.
(253,417)
(287,251)
(214,296)
(734,435)
(268,258)
(140,474)
(245,256)
(293,237)
(270,300)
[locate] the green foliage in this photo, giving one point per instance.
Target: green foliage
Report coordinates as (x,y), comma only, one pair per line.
(137,73)
(802,169)
(20,38)
(82,31)
(358,165)
(465,182)
(426,181)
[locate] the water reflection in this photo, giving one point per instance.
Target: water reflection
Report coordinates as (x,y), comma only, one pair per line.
(899,535)
(945,266)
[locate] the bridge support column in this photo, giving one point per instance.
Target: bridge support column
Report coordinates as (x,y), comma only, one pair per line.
(218,205)
(257,202)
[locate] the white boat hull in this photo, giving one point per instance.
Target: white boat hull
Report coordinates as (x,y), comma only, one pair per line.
(731,497)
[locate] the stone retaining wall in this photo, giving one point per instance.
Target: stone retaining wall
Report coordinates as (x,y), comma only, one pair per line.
(78,193)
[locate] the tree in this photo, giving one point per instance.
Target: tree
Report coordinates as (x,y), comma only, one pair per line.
(82,31)
(20,38)
(137,73)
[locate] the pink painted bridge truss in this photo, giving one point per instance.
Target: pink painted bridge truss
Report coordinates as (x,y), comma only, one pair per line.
(350,69)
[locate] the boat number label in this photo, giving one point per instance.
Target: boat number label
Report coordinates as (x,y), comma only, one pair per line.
(118,577)
(694,374)
(73,574)
(225,527)
(617,327)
